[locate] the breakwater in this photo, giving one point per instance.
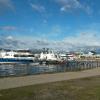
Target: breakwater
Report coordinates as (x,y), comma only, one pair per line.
(31,69)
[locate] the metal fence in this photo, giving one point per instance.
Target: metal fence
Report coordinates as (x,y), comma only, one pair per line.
(81,65)
(29,69)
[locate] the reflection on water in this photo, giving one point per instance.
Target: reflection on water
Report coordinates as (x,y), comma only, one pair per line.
(27,69)
(30,69)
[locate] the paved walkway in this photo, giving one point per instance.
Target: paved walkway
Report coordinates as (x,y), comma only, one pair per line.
(12,82)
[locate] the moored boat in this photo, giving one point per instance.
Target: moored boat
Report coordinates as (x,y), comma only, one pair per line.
(49,57)
(16,57)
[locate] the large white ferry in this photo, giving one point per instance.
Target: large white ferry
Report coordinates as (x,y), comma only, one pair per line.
(20,56)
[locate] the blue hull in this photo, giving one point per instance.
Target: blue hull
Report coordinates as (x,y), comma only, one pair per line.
(15,60)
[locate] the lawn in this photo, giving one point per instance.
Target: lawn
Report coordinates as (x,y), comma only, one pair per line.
(80,89)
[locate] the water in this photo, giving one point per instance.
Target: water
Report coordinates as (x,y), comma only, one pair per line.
(30,69)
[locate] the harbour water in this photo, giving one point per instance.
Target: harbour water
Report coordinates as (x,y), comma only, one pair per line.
(31,69)
(28,69)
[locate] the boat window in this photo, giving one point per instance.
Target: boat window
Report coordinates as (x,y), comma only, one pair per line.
(23,55)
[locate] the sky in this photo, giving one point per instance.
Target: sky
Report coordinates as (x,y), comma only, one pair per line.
(61,24)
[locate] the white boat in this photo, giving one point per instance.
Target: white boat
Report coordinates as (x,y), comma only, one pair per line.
(49,55)
(16,57)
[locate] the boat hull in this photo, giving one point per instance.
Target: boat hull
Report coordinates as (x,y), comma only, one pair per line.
(52,62)
(15,60)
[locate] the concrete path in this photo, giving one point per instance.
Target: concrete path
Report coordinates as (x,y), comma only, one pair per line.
(13,82)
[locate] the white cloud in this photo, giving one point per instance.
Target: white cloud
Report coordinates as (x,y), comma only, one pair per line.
(83,39)
(5,5)
(87,36)
(8,28)
(37,7)
(9,37)
(88,9)
(70,42)
(67,5)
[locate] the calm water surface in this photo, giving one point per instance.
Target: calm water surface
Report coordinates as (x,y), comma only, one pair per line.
(28,69)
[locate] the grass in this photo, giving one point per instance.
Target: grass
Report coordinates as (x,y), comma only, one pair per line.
(80,89)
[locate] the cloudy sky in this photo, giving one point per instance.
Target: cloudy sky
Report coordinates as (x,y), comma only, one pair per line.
(49,23)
